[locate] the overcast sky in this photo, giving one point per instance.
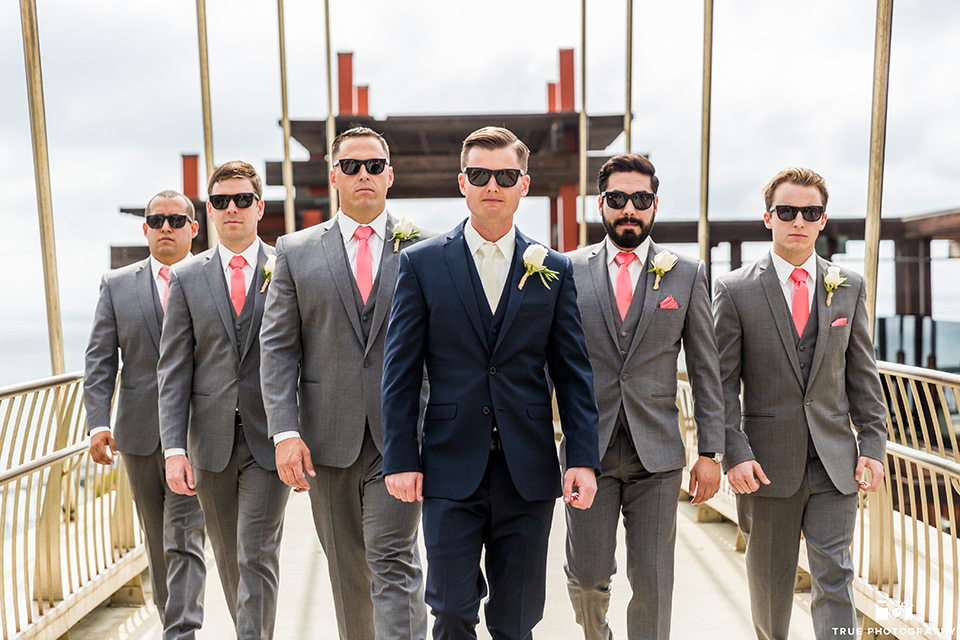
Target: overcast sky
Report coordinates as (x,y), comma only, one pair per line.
(792,85)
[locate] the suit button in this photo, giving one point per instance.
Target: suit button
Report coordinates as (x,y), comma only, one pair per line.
(366,363)
(486,411)
(364,318)
(239,327)
(623,377)
(623,334)
(240,378)
(801,347)
(493,371)
(803,366)
(495,330)
(807,402)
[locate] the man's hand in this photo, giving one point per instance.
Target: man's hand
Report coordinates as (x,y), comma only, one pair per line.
(743,478)
(180,475)
(876,473)
(406,486)
(704,480)
(293,459)
(585,480)
(102,448)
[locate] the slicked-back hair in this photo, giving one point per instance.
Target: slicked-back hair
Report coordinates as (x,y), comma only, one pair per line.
(494,138)
(170,193)
(359,132)
(627,163)
(798,176)
(236,169)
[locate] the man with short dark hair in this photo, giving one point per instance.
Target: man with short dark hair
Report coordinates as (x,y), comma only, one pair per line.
(794,334)
(486,309)
(639,304)
(127,325)
(212,423)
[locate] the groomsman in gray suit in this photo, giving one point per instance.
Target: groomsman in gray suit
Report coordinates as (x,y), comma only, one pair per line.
(639,303)
(322,342)
(127,324)
(212,424)
(793,331)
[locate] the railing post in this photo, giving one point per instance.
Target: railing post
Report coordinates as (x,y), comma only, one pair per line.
(882,563)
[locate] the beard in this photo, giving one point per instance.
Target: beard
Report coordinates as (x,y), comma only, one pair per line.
(628,238)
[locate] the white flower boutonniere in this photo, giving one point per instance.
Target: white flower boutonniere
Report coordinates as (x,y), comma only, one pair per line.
(533,264)
(661,264)
(833,279)
(403,231)
(268,271)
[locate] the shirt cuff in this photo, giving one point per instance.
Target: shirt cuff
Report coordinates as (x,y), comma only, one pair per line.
(284,435)
(97,430)
(174,451)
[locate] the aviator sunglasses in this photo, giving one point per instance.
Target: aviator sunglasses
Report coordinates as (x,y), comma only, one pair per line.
(618,199)
(351,167)
(176,220)
(480,177)
(787,212)
(243,200)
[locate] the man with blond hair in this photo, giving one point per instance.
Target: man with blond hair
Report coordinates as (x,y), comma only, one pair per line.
(793,331)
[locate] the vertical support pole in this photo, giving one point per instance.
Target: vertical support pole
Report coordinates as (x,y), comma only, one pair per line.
(878,141)
(703,227)
(205,100)
(331,121)
(628,115)
(583,123)
(289,216)
(41,170)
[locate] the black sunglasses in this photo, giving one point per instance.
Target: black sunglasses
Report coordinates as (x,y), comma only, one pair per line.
(351,167)
(479,177)
(618,199)
(787,212)
(243,200)
(176,220)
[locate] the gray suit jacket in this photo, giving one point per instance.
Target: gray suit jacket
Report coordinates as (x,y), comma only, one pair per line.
(203,377)
(644,379)
(323,379)
(126,323)
(755,335)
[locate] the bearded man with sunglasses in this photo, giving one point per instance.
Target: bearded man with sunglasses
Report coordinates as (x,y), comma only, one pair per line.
(487,471)
(322,342)
(793,332)
(212,424)
(635,323)
(127,324)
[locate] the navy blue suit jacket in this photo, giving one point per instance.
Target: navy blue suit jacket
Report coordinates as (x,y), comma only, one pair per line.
(436,320)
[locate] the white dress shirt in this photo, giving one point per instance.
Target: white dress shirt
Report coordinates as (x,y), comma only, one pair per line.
(784,269)
(502,259)
(635,268)
(347,228)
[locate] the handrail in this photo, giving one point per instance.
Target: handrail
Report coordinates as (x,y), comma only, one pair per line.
(924,459)
(39,385)
(43,461)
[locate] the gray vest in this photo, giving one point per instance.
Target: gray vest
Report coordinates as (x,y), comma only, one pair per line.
(245,319)
(365,310)
(627,327)
(806,345)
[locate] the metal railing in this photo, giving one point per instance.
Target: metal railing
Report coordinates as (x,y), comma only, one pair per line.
(906,545)
(70,539)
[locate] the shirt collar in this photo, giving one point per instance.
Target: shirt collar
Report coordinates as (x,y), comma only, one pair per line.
(642,250)
(156,265)
(348,225)
(784,268)
(249,254)
(474,240)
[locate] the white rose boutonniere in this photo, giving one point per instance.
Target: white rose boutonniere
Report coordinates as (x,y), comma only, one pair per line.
(268,267)
(533,264)
(661,264)
(833,279)
(403,231)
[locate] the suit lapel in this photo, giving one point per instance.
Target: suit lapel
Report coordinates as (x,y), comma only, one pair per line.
(387,275)
(334,254)
(258,300)
(456,259)
(146,291)
(778,307)
(651,300)
(213,271)
(597,265)
(514,293)
(823,324)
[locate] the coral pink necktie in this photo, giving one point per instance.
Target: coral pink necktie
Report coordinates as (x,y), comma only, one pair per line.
(801,299)
(238,290)
(624,283)
(364,262)
(165,274)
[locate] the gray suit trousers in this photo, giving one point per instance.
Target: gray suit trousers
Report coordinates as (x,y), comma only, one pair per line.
(173,529)
(243,506)
(772,527)
(370,539)
(649,505)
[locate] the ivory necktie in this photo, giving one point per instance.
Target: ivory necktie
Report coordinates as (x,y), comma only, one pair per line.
(364,262)
(624,283)
(488,274)
(238,290)
(165,274)
(801,299)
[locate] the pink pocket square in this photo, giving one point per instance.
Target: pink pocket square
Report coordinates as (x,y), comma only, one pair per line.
(669,303)
(839,322)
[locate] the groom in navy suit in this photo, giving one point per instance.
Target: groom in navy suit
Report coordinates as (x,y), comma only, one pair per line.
(487,470)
